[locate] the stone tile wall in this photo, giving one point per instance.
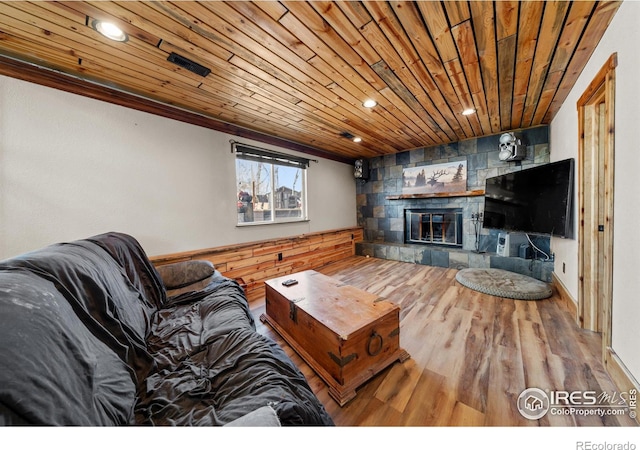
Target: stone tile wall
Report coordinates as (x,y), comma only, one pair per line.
(383,219)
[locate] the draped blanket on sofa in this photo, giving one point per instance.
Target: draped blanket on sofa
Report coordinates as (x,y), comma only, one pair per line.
(88,336)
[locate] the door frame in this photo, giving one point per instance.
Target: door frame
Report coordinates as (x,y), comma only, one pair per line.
(595,313)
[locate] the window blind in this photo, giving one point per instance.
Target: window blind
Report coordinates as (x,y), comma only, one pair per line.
(257,154)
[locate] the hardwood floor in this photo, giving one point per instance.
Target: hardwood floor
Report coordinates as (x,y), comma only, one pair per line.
(472,354)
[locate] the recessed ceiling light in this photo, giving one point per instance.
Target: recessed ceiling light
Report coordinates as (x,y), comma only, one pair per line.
(468,111)
(369,103)
(109,30)
(357,139)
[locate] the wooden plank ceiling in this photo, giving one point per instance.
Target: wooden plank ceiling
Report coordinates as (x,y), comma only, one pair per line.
(299,71)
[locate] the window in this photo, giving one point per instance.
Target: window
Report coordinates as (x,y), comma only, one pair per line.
(271,186)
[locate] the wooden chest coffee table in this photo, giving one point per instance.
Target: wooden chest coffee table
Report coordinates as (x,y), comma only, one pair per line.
(345,334)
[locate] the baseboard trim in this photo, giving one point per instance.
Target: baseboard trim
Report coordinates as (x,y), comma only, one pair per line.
(570,303)
(613,365)
(620,375)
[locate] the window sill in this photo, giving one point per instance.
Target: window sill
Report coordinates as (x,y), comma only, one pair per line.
(279,222)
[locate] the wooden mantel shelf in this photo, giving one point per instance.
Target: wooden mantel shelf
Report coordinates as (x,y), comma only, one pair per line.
(474,193)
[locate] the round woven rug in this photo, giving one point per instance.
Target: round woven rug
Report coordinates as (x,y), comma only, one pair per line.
(503,283)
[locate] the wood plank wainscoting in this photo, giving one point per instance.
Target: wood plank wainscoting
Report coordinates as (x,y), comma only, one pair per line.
(255,262)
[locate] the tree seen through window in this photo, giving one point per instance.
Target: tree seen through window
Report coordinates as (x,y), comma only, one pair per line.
(269,192)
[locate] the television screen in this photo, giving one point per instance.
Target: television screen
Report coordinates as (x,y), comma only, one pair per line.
(538,200)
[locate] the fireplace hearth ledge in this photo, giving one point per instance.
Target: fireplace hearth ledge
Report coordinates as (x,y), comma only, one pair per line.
(455,258)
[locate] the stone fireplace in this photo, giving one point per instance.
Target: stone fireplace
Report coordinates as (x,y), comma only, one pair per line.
(385,211)
(441,226)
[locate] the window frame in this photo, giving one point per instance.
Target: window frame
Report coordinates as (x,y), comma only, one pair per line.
(258,154)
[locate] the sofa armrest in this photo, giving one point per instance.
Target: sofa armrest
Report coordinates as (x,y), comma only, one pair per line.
(262,417)
(186,276)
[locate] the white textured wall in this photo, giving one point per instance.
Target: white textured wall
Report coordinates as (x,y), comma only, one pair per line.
(72,167)
(623,37)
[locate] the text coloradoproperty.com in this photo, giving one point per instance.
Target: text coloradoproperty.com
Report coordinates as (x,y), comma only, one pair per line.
(600,411)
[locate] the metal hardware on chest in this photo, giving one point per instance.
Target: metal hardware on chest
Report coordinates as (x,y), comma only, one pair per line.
(344,360)
(375,344)
(293,312)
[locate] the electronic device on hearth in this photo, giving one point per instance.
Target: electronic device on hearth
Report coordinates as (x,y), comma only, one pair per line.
(361,169)
(509,243)
(525,251)
(503,244)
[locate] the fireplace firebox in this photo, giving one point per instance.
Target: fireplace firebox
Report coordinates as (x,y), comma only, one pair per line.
(433,226)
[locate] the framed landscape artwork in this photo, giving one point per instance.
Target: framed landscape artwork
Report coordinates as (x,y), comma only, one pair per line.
(435,179)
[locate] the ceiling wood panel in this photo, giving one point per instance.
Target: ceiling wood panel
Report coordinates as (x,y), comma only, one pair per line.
(599,19)
(295,73)
(395,44)
(530,18)
(484,26)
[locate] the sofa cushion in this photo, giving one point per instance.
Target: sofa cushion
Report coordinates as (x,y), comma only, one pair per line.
(264,416)
(53,370)
(184,273)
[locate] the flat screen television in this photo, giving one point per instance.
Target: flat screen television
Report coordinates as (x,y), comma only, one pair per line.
(538,200)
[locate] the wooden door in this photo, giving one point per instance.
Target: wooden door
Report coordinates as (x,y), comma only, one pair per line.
(592,252)
(595,188)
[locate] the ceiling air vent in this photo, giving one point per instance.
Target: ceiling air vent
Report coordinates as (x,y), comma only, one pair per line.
(346,134)
(189,65)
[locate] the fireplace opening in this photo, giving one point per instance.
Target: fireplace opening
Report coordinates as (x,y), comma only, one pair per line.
(433,226)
